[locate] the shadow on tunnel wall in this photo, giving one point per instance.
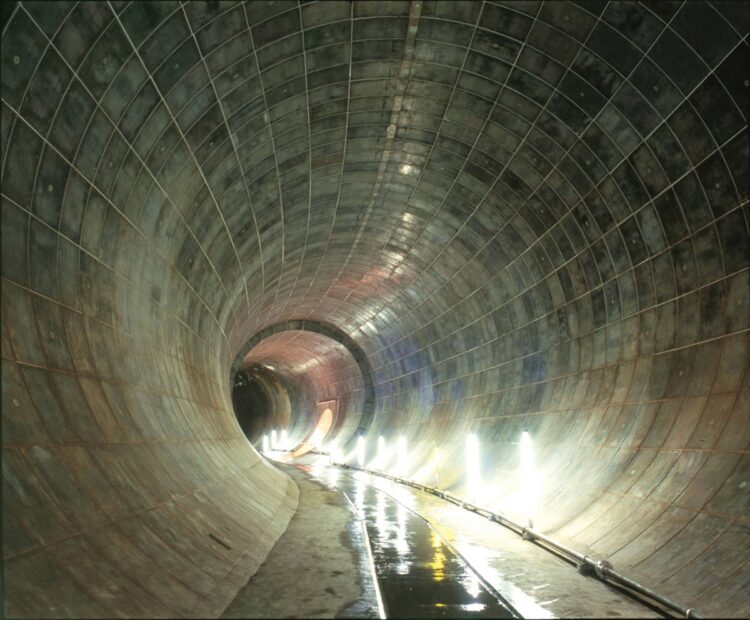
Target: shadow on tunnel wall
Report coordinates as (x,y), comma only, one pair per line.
(261,401)
(521,215)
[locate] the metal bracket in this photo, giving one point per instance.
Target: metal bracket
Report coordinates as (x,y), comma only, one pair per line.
(527,535)
(591,567)
(600,566)
(585,569)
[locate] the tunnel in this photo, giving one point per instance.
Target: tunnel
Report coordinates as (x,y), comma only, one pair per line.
(436,220)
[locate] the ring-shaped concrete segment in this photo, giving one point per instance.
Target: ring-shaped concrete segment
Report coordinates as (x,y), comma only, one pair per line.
(526,215)
(313,364)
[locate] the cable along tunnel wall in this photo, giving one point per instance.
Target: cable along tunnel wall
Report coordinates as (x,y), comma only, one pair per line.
(525,215)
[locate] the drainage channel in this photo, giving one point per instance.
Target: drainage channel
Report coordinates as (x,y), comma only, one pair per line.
(586,565)
(419,574)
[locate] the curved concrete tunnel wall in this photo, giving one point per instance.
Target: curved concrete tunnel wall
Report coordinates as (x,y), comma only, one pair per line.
(314,368)
(527,215)
(261,401)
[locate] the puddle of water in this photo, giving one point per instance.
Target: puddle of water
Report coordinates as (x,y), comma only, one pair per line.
(418,573)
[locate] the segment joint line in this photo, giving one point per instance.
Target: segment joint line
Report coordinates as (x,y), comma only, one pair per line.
(267,115)
(234,148)
(343,155)
(568,151)
(309,166)
(437,133)
(401,82)
(187,145)
(131,150)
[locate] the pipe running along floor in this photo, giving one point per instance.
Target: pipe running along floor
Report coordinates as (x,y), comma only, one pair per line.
(430,559)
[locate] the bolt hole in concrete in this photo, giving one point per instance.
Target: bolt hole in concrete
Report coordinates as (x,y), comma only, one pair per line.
(219,541)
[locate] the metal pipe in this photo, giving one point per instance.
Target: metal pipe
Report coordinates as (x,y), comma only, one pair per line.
(599,568)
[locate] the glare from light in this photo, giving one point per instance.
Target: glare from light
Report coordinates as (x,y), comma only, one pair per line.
(273,439)
(473,474)
(284,440)
(428,473)
(361,451)
(401,541)
(528,478)
(471,583)
(265,443)
(437,459)
(474,607)
(317,437)
(403,457)
(350,456)
(382,454)
(333,476)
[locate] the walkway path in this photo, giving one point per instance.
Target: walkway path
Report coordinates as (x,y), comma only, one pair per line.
(323,565)
(317,569)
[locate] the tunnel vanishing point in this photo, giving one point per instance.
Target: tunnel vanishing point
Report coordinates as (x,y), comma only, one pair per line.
(442,218)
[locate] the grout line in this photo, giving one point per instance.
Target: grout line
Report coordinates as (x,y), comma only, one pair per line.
(198,166)
(234,150)
(670,185)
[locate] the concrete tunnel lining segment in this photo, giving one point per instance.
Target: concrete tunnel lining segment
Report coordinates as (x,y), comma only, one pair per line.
(307,360)
(525,215)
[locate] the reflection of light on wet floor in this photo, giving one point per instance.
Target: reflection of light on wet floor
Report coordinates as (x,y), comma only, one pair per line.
(485,562)
(477,556)
(419,575)
(380,519)
(401,542)
(393,534)
(359,491)
(333,476)
(471,583)
(318,469)
(438,557)
(398,491)
(325,473)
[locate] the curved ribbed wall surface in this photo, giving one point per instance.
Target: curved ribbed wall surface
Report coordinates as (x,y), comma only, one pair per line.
(311,368)
(527,215)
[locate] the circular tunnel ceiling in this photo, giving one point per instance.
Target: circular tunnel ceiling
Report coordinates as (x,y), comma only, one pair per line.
(525,214)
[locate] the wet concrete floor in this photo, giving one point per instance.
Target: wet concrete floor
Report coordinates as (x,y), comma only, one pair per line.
(362,546)
(318,568)
(418,573)
(536,583)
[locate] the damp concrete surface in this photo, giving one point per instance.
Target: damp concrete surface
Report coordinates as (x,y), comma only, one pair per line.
(431,559)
